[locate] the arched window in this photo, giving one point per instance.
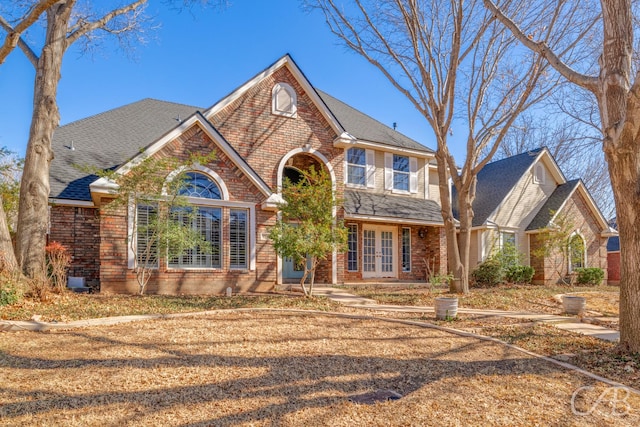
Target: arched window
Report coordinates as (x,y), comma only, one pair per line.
(576,252)
(284,100)
(197,184)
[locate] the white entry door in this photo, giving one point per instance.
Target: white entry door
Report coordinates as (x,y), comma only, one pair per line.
(379,249)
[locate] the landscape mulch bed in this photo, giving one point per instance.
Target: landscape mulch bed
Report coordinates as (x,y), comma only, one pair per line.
(264,368)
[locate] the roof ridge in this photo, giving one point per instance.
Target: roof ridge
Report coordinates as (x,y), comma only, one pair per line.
(535,151)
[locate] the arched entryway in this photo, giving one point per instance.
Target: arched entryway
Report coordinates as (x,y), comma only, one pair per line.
(292,167)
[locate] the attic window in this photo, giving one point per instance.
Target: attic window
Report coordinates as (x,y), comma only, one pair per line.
(284,100)
(538,174)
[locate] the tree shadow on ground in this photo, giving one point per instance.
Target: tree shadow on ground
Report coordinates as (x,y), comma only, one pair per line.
(287,382)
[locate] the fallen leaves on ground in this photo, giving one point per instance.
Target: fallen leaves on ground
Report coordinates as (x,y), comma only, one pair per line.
(264,368)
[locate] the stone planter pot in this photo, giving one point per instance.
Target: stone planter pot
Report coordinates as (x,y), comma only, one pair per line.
(573,304)
(446,308)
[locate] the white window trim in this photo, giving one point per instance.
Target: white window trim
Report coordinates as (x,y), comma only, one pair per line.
(132,235)
(248,260)
(196,201)
(515,237)
(224,192)
(584,251)
(293,112)
(346,168)
(389,173)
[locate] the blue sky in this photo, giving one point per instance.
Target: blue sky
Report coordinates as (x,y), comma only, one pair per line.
(198,57)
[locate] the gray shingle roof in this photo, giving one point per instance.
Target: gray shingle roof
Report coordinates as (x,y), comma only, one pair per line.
(389,206)
(367,128)
(553,203)
(495,180)
(613,244)
(107,140)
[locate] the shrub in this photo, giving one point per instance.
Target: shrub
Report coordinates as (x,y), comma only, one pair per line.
(519,274)
(58,260)
(590,276)
(8,295)
(10,291)
(489,273)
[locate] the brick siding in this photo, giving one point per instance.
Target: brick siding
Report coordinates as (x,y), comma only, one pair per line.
(586,224)
(78,229)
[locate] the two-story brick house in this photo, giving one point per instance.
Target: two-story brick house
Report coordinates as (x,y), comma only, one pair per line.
(271,127)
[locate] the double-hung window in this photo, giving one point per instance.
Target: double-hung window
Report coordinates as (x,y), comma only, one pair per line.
(356,166)
(360,168)
(400,173)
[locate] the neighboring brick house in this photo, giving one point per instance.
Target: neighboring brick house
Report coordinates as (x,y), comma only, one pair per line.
(517,197)
(613,260)
(273,126)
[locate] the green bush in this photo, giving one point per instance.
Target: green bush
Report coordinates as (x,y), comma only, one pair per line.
(8,295)
(519,274)
(590,276)
(489,273)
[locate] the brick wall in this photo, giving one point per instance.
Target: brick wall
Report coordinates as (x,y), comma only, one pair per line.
(585,223)
(78,229)
(430,248)
(613,268)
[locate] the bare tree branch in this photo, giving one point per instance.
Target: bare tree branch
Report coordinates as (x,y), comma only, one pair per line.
(585,81)
(86,27)
(14,33)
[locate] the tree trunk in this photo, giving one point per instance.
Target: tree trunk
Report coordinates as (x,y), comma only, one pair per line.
(459,284)
(8,260)
(620,115)
(465,201)
(33,212)
(625,179)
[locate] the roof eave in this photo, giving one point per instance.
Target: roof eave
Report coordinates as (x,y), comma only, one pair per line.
(393,220)
(346,140)
(105,186)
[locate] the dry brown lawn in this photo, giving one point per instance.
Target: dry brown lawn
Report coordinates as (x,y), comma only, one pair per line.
(265,368)
(511,297)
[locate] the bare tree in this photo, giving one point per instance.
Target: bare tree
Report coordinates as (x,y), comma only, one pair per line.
(66,23)
(453,61)
(610,75)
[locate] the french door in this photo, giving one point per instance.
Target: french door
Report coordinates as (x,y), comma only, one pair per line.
(379,252)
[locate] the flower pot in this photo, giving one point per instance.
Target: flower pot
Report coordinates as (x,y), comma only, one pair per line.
(446,308)
(573,304)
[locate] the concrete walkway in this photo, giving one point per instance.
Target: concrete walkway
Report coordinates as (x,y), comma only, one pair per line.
(566,323)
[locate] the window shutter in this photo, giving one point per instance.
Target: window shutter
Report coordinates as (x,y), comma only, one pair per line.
(413,175)
(388,171)
(371,168)
(426,179)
